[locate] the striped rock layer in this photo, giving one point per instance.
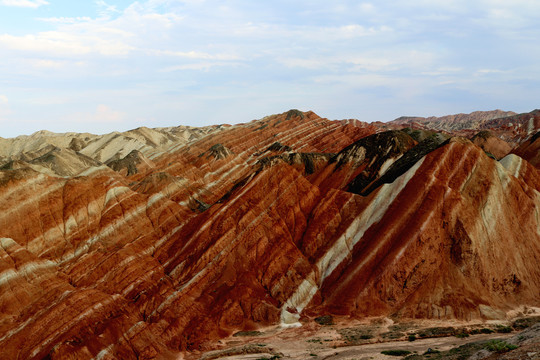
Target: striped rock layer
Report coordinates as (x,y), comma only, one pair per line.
(270,222)
(507,126)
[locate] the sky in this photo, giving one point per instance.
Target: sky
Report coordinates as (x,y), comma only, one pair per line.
(100,66)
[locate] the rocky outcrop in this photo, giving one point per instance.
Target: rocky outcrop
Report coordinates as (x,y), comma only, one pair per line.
(65,162)
(188,249)
(131,164)
(217,151)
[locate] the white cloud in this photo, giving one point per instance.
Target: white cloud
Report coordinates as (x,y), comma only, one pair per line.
(442,71)
(66,20)
(193,55)
(150,56)
(103,114)
(200,66)
(47,63)
(488,72)
(367,7)
(25,3)
(64,43)
(378,61)
(106,114)
(105,9)
(4,107)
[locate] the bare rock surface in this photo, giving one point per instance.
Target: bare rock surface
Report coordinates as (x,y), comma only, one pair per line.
(159,243)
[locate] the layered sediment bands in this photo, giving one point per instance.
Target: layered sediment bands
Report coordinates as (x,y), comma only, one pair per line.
(473,120)
(508,126)
(530,150)
(198,234)
(364,161)
(439,249)
(491,144)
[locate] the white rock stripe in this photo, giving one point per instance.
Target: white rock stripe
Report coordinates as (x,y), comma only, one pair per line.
(66,327)
(513,164)
(33,318)
(342,247)
(230,244)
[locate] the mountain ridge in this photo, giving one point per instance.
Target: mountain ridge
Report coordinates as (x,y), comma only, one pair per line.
(189,238)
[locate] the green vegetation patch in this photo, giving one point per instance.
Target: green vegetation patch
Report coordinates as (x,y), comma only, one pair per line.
(524,323)
(500,346)
(437,332)
(353,336)
(503,329)
(248,333)
(395,352)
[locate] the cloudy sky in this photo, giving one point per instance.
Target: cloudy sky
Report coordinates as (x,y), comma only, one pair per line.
(100,66)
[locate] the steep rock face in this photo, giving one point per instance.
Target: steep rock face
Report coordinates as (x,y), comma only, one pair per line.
(530,150)
(117,265)
(364,161)
(401,260)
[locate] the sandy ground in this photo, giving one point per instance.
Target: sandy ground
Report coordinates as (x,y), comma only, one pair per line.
(313,341)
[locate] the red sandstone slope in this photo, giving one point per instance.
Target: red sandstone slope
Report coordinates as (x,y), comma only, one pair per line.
(256,224)
(491,144)
(530,150)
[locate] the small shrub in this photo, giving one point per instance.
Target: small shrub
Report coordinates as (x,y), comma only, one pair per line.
(503,329)
(524,323)
(462,335)
(395,352)
(247,333)
(325,320)
(392,335)
(412,337)
(486,331)
(500,346)
(366,337)
(437,332)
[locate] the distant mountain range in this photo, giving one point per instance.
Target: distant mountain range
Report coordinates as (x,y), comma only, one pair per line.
(154,243)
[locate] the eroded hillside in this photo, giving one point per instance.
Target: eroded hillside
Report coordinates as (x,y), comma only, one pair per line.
(156,241)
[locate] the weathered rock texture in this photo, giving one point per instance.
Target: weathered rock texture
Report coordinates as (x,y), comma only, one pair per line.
(190,235)
(455,122)
(530,150)
(506,125)
(491,144)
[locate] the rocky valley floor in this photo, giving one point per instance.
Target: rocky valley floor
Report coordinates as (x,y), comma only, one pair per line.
(415,340)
